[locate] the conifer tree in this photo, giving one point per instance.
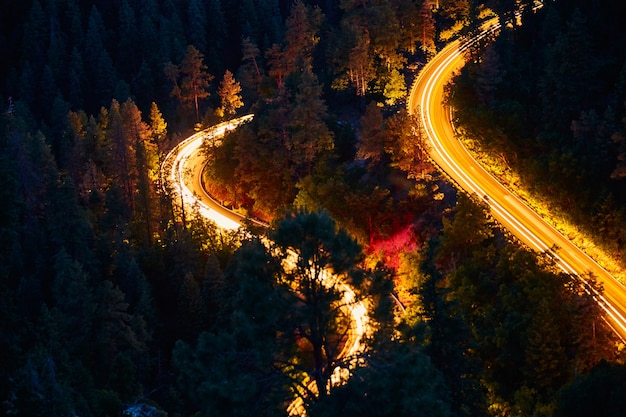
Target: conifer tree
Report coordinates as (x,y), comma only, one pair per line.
(319,246)
(249,21)
(406,143)
(217,34)
(76,79)
(75,22)
(250,53)
(309,136)
(249,72)
(395,87)
(122,156)
(229,93)
(407,13)
(450,343)
(241,366)
(143,154)
(190,79)
(158,130)
(427,29)
(544,353)
(301,36)
(360,65)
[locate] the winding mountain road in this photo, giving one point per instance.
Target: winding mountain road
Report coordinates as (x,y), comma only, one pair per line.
(448,153)
(182,169)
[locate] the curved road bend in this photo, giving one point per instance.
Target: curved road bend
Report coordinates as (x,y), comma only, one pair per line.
(427,99)
(183,168)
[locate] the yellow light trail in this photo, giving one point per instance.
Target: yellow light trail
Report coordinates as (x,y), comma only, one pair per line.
(449,154)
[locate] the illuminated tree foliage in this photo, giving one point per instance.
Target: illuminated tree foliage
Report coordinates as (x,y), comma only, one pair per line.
(229,93)
(396,383)
(301,37)
(279,323)
(158,131)
(321,318)
(190,79)
(509,308)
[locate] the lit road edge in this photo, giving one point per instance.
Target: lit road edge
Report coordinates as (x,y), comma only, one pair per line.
(451,157)
(175,170)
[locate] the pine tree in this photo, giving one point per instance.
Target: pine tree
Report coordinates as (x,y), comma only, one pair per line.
(450,343)
(36,37)
(309,137)
(277,64)
(172,39)
(319,246)
(57,53)
(488,75)
(250,53)
(158,130)
(217,33)
(301,34)
(74,17)
(406,143)
(113,330)
(427,34)
(407,13)
(143,154)
(190,79)
(395,87)
(567,79)
(360,64)
(248,20)
(269,16)
(148,34)
(469,228)
(249,72)
(230,97)
(192,313)
(99,65)
(76,79)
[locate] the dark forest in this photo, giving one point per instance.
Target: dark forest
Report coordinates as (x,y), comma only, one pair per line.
(113,303)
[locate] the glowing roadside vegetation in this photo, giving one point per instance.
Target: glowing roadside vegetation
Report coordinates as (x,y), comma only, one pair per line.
(447,35)
(175,173)
(454,159)
(496,166)
(352,348)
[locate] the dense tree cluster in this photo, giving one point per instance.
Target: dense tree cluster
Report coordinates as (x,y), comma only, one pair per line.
(548,97)
(111,303)
(505,324)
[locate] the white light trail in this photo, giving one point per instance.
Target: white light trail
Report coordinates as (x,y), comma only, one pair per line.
(175,167)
